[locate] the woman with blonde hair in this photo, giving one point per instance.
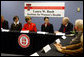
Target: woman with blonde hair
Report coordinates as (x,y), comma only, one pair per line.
(29,25)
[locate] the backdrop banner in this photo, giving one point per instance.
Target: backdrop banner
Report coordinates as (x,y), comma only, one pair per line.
(46,9)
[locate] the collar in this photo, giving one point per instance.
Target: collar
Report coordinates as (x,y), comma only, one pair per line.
(17,23)
(66,25)
(30,23)
(47,24)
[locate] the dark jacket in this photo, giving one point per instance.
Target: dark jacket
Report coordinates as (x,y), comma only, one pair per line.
(5,25)
(17,27)
(68,28)
(49,28)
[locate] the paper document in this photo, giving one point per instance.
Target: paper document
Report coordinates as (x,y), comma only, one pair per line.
(58,41)
(47,48)
(64,37)
(60,33)
(39,32)
(5,30)
(35,54)
(27,31)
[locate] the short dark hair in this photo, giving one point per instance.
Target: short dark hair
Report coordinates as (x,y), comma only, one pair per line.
(15,18)
(46,18)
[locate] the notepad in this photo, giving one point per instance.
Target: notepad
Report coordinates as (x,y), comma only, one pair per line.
(27,31)
(60,33)
(58,41)
(39,32)
(35,54)
(47,48)
(70,35)
(5,30)
(64,37)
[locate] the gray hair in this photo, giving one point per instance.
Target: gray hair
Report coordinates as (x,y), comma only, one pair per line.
(66,19)
(79,23)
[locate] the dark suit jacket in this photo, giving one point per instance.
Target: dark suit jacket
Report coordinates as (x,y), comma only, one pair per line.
(68,28)
(17,27)
(49,28)
(5,25)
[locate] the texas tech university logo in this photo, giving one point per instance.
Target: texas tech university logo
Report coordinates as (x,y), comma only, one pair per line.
(24,41)
(28,6)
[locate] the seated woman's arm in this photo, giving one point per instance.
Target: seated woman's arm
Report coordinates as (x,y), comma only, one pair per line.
(74,46)
(73,52)
(35,29)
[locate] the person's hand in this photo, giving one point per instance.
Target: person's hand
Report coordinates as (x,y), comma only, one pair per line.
(72,41)
(57,32)
(58,47)
(64,48)
(57,44)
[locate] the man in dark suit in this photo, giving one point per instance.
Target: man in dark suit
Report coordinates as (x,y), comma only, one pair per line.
(4,23)
(66,26)
(47,27)
(76,47)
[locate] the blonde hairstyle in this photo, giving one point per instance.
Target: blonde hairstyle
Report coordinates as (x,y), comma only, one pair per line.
(27,18)
(66,19)
(2,17)
(79,23)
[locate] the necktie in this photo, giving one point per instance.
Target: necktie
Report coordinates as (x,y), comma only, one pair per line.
(64,29)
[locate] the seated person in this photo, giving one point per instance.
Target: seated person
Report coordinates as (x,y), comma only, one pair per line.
(66,26)
(75,49)
(47,27)
(72,50)
(4,23)
(29,25)
(79,29)
(16,26)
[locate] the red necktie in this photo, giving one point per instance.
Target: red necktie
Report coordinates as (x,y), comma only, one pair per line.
(64,29)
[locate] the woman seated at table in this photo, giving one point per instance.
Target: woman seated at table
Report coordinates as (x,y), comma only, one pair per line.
(16,26)
(29,25)
(47,27)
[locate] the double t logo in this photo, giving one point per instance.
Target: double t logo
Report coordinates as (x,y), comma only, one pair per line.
(24,41)
(28,6)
